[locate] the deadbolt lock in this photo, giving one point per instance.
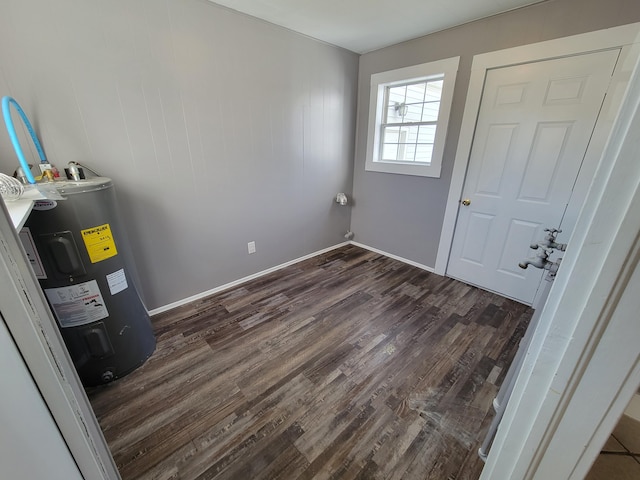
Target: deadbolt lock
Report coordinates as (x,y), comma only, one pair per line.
(466,202)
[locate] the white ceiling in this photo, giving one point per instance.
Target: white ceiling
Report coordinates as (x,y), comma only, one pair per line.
(365,25)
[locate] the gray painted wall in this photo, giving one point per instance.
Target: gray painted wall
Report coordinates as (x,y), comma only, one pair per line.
(217,128)
(403,215)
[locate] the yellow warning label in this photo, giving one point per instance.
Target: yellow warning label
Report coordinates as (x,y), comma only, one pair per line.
(99,243)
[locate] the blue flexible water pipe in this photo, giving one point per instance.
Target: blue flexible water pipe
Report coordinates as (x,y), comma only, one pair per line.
(6,112)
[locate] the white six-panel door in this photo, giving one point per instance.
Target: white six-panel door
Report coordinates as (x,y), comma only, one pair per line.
(534,126)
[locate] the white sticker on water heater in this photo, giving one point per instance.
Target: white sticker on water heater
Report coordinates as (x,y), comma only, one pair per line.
(77,304)
(117,281)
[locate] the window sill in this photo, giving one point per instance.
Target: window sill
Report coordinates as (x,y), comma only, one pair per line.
(432,171)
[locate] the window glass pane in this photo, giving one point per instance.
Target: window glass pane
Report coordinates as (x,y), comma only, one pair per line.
(408,143)
(409,153)
(391,135)
(427,134)
(410,134)
(423,152)
(430,112)
(433,91)
(394,115)
(415,93)
(390,152)
(409,104)
(397,95)
(414,113)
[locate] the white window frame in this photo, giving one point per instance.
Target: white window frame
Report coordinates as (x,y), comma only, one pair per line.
(447,69)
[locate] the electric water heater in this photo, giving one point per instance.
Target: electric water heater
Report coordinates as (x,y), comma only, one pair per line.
(79,253)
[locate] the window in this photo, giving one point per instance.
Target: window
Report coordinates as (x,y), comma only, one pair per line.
(408,117)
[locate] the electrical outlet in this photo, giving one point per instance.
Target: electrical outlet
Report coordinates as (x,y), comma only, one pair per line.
(251,247)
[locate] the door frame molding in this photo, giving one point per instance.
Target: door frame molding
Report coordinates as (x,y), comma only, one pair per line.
(583,365)
(40,343)
(623,37)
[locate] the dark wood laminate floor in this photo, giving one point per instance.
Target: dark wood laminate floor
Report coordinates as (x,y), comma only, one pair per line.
(349,365)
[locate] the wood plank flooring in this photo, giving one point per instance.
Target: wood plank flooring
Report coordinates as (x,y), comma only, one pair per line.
(349,365)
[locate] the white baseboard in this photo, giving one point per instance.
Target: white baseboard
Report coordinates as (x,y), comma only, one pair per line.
(633,410)
(235,283)
(395,257)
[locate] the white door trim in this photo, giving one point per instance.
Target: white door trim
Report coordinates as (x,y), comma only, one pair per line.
(583,365)
(36,335)
(625,37)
